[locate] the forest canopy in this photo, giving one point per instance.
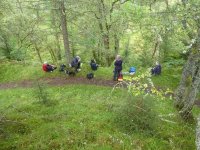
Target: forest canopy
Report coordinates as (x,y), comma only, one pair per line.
(57,30)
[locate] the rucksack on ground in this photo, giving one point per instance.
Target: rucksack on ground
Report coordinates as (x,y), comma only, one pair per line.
(62,67)
(120,77)
(132,70)
(90,75)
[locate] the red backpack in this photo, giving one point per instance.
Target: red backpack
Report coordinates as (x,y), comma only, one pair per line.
(120,77)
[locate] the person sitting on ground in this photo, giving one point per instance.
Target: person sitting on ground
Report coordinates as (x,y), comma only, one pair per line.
(94,65)
(156,70)
(76,63)
(118,67)
(48,68)
(132,70)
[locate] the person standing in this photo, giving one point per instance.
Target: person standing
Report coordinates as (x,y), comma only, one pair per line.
(118,67)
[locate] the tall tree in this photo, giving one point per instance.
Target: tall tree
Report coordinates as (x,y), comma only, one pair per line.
(189,87)
(65,31)
(55,26)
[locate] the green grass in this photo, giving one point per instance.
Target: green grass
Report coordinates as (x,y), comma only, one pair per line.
(169,78)
(83,117)
(101,72)
(15,71)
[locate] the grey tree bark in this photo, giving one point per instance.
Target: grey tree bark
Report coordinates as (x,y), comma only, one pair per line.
(189,86)
(65,32)
(56,28)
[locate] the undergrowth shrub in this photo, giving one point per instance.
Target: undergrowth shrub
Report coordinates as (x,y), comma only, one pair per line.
(137,115)
(42,94)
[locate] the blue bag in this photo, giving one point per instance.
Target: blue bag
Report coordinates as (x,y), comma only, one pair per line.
(132,70)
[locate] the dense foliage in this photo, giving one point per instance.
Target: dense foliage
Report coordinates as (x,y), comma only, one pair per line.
(142,31)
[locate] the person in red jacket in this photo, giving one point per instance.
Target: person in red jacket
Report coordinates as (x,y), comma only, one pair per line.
(48,68)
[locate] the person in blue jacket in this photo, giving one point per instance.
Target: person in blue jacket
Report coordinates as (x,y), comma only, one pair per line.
(118,67)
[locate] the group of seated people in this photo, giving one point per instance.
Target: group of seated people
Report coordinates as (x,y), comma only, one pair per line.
(75,66)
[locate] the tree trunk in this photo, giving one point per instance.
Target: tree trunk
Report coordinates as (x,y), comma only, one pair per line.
(127,48)
(65,32)
(56,29)
(73,49)
(105,29)
(53,56)
(7,49)
(116,44)
(106,42)
(189,86)
(155,49)
(100,53)
(20,6)
(191,97)
(38,53)
(167,4)
(57,43)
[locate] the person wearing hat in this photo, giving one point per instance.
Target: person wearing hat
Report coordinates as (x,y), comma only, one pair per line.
(47,67)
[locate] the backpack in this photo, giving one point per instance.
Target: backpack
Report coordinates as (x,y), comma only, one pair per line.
(120,77)
(70,73)
(90,75)
(132,69)
(62,68)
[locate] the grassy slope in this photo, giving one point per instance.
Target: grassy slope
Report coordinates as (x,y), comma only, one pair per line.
(82,117)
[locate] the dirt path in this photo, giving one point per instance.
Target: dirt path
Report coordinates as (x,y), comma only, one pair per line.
(61,81)
(58,81)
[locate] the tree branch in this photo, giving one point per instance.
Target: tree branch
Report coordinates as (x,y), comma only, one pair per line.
(112,8)
(96,16)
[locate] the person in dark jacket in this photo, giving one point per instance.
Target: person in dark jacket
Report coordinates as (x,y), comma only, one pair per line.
(47,67)
(156,70)
(94,66)
(118,67)
(76,63)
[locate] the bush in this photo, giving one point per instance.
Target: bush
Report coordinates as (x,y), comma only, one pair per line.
(137,114)
(42,94)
